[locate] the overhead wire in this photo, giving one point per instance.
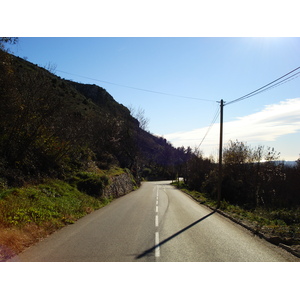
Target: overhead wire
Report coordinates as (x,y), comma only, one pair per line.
(210,126)
(268,86)
(139,89)
(279,81)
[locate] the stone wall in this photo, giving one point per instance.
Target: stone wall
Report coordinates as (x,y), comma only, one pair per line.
(119,186)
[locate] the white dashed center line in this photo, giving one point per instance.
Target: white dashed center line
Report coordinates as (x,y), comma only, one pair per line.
(157,248)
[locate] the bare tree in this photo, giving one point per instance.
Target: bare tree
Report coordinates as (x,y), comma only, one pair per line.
(51,67)
(139,114)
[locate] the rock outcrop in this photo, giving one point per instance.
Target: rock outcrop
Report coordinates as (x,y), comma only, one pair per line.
(119,186)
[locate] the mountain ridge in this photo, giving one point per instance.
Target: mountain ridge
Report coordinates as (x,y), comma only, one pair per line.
(51,126)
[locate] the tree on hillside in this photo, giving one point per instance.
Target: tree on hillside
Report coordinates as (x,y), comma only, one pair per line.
(7,40)
(38,134)
(139,114)
(28,107)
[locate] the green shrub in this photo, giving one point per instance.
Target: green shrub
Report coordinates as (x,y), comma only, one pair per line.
(91,183)
(287,216)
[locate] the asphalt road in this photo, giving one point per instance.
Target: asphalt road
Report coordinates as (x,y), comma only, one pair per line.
(155,223)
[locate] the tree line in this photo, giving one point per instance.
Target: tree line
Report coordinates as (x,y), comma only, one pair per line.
(252,177)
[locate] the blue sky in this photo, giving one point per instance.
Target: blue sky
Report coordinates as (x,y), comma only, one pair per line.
(208,68)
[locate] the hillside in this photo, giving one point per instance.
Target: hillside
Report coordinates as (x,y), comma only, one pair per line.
(51,127)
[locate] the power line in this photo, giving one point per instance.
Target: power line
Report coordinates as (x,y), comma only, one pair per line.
(139,89)
(210,126)
(268,86)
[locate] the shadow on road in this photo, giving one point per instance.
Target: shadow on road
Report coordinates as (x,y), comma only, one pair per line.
(148,251)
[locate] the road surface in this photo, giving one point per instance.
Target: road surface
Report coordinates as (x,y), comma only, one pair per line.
(154,223)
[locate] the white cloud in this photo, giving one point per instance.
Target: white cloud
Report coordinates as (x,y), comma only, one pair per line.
(267,125)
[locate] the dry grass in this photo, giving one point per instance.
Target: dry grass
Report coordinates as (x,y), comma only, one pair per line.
(14,240)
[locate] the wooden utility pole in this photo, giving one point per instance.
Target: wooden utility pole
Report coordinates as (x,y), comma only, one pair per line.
(220,155)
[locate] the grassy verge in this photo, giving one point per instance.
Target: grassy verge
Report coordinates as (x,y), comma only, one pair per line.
(30,213)
(283,223)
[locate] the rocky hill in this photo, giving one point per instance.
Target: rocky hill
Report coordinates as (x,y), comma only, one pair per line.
(55,127)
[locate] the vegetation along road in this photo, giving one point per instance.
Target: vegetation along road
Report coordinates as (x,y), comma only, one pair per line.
(154,223)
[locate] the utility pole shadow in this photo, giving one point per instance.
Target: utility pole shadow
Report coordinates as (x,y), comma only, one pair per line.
(148,251)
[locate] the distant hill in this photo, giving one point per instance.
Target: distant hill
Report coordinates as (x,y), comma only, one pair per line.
(290,163)
(54,127)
